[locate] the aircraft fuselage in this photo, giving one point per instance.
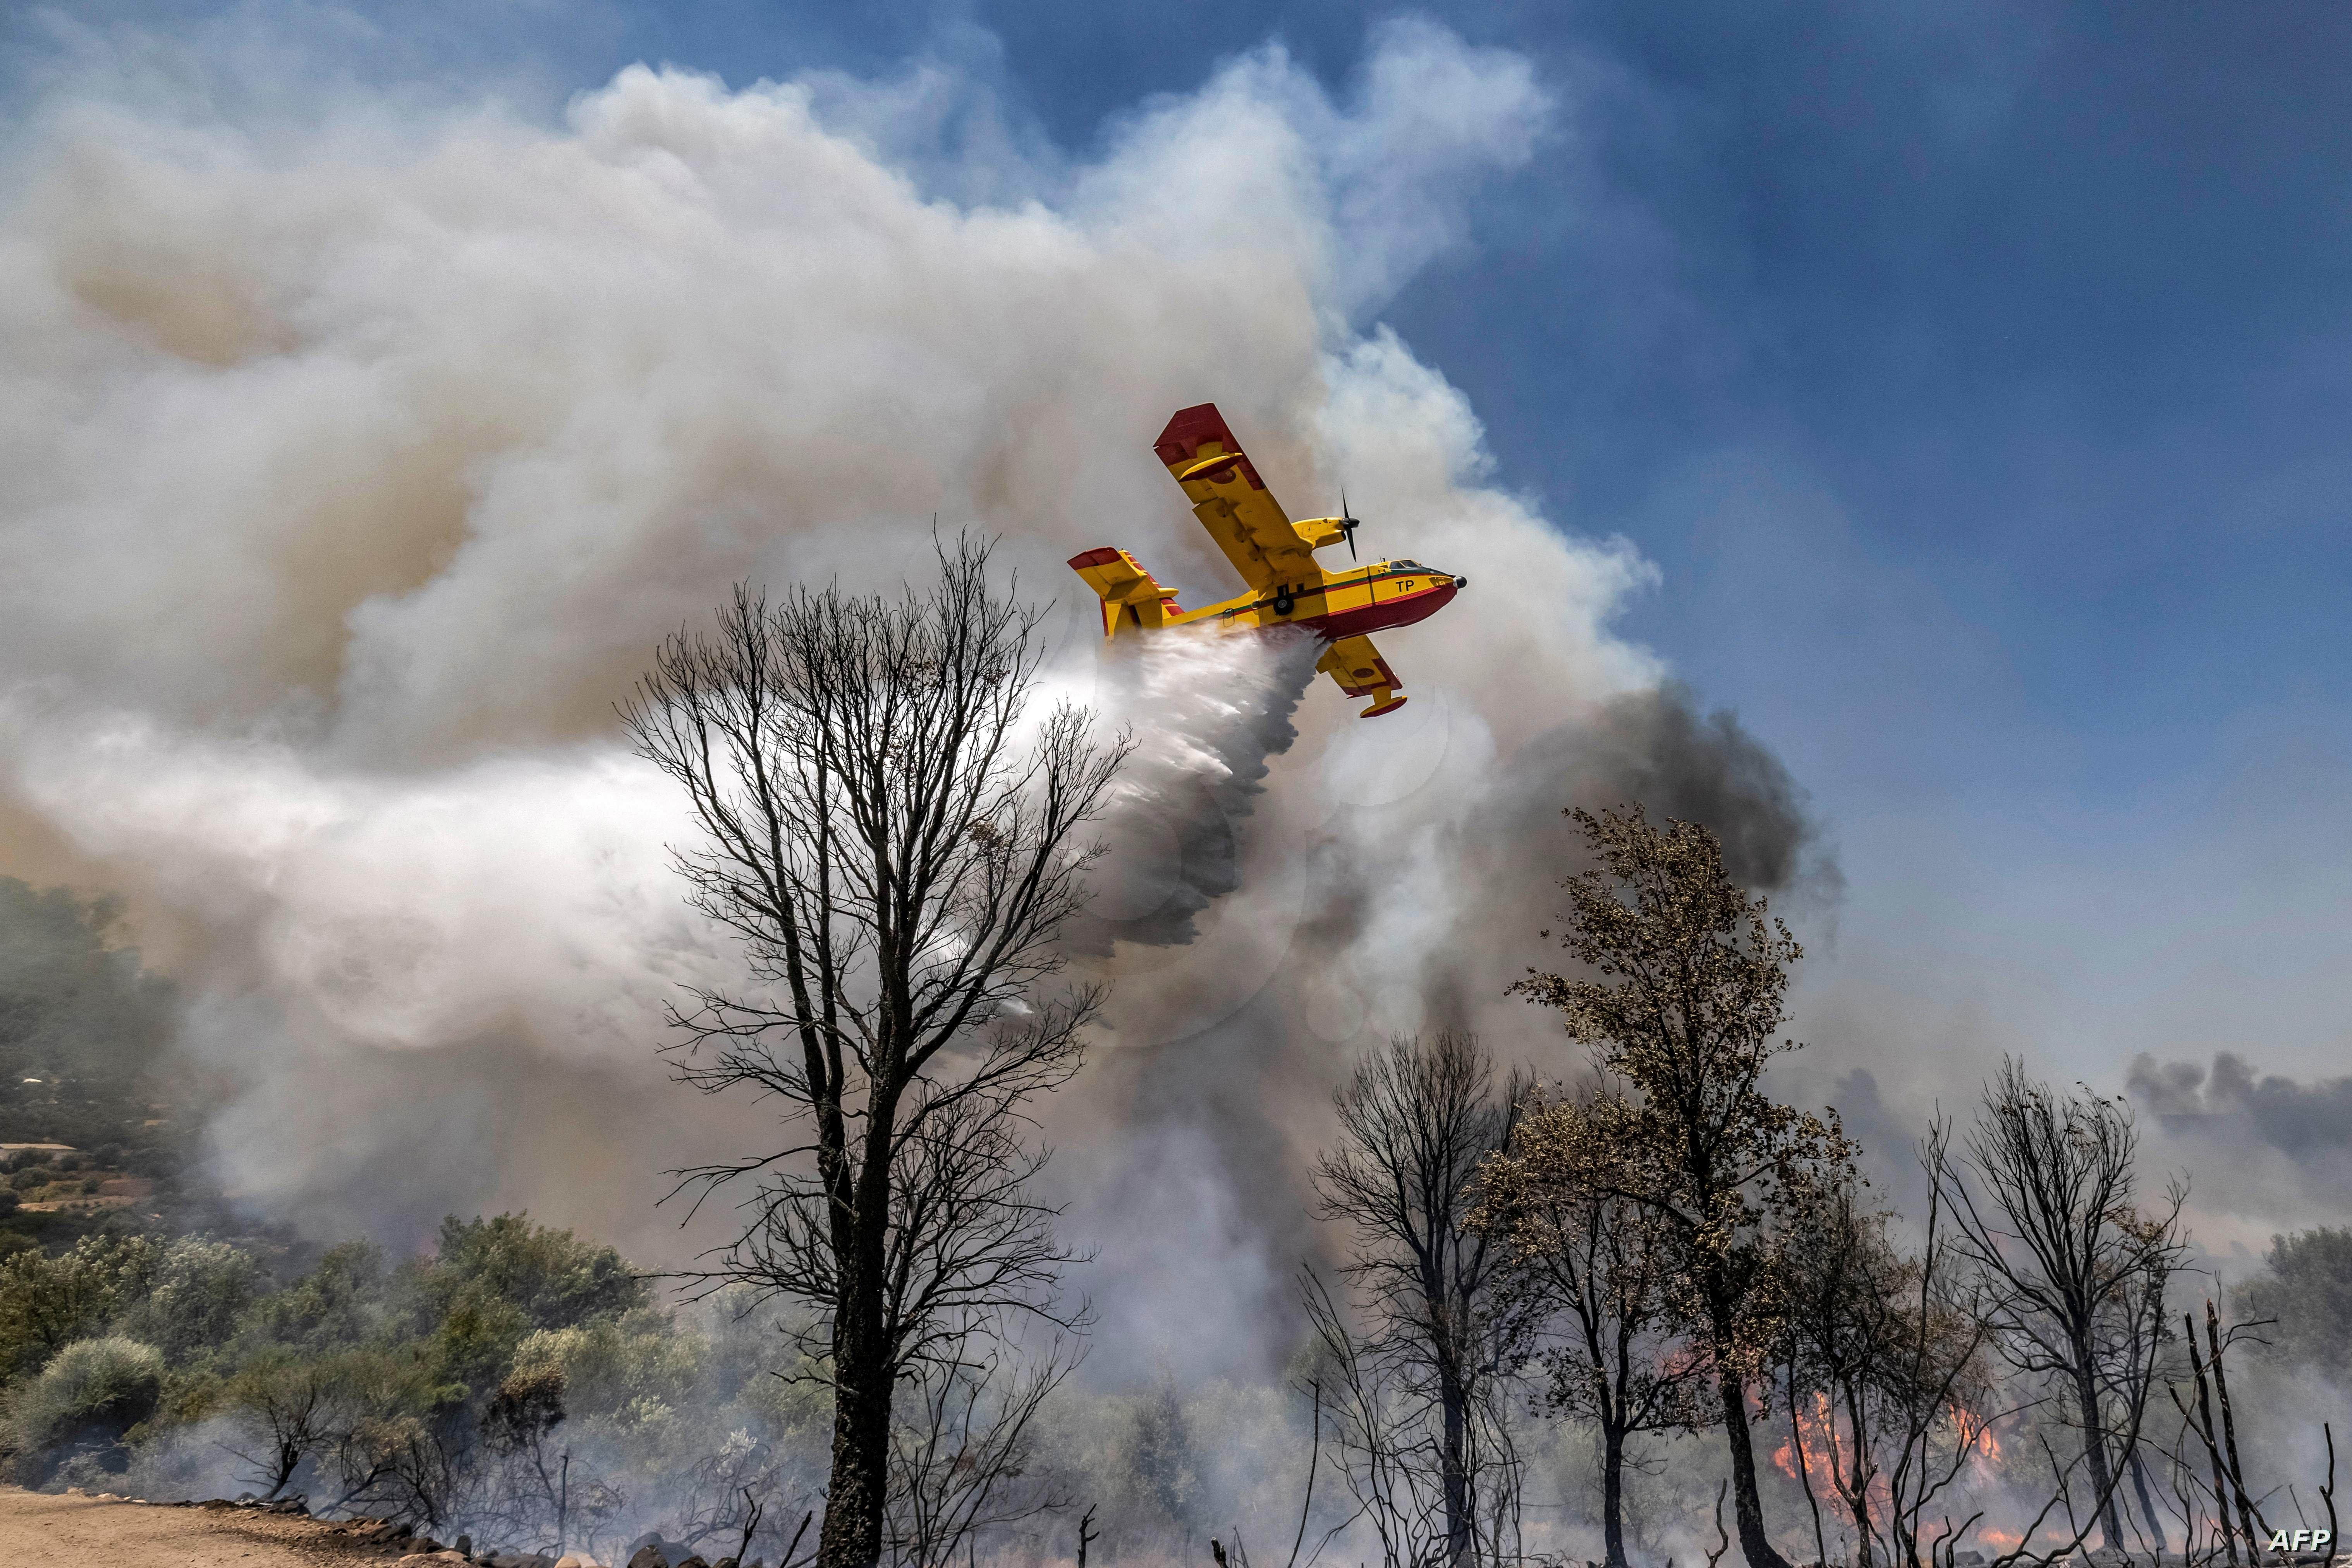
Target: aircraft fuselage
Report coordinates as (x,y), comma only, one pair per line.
(1338,605)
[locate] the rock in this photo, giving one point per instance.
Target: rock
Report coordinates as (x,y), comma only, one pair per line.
(576,1560)
(465,1546)
(648,1557)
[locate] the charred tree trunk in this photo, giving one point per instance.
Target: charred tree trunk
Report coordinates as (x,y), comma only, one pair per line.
(1455,1464)
(864,1375)
(1613,1495)
(2094,1451)
(2146,1503)
(1747,1501)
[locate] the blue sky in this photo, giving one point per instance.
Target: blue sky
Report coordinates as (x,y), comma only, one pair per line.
(1976,376)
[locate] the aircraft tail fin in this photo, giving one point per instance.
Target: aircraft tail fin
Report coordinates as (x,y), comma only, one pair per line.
(1132,598)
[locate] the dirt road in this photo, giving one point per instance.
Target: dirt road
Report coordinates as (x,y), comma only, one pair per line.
(39,1528)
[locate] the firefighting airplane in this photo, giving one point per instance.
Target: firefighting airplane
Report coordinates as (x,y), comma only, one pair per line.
(1276,557)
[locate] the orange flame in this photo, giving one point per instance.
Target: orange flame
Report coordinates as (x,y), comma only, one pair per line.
(1976,1433)
(1822,1443)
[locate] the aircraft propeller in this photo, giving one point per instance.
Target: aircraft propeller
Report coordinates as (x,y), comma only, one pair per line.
(1347,525)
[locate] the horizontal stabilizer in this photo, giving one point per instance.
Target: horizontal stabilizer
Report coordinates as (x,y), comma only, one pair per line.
(1131,596)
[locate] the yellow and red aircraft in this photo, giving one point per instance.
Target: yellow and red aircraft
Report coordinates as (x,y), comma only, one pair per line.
(1276,557)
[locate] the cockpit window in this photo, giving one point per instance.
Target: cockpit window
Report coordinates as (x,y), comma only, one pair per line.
(1408,566)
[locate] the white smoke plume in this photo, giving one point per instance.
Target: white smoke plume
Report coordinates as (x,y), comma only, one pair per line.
(1207,714)
(357,457)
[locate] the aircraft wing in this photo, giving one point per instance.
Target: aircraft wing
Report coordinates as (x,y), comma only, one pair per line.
(1232,502)
(1360,672)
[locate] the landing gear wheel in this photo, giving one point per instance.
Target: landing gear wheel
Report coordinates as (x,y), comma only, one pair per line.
(1282,603)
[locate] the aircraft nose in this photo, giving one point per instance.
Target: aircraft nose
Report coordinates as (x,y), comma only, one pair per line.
(1461,581)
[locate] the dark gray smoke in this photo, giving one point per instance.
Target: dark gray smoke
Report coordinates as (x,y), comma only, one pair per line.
(2261,1144)
(1653,749)
(1186,1155)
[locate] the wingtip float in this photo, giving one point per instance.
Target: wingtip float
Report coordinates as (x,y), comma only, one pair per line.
(1276,558)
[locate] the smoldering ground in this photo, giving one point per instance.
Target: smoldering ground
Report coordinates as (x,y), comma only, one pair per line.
(362,449)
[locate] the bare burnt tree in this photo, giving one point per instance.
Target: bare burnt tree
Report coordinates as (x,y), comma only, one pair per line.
(1388,1448)
(284,1413)
(729,1492)
(1585,1281)
(2044,1202)
(1416,1121)
(1680,997)
(892,836)
(2134,1342)
(964,1453)
(527,1494)
(2234,1509)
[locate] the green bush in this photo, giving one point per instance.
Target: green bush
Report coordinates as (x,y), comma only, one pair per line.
(83,1405)
(552,1278)
(338,1303)
(2306,1292)
(47,1303)
(195,1297)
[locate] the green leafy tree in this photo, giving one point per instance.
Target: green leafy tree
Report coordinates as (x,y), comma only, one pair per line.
(2306,1295)
(339,1303)
(47,1303)
(1679,996)
(552,1278)
(1585,1283)
(195,1298)
(73,1004)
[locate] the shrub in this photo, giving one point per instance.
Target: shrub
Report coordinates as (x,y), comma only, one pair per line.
(194,1298)
(83,1405)
(47,1303)
(550,1276)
